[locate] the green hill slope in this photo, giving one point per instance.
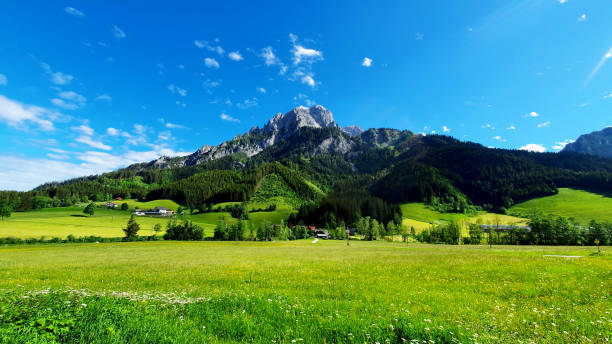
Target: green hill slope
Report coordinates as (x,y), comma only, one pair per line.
(581,205)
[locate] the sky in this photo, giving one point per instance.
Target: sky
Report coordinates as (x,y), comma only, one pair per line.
(92,86)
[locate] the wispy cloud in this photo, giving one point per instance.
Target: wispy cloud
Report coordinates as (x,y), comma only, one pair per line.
(446,129)
(206,45)
(228,118)
(511,128)
(309,80)
(419,36)
(211,63)
(599,65)
(261,90)
(177,90)
(533,147)
(74,12)
(582,18)
(57,78)
(104,97)
(117,32)
(499,138)
(532,114)
(3,80)
(543,124)
(235,56)
(17,114)
(247,103)
(367,62)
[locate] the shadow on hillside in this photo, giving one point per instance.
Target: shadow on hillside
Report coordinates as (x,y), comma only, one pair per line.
(78,215)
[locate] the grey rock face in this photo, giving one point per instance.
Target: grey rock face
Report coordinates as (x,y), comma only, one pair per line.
(256,140)
(597,143)
(353,130)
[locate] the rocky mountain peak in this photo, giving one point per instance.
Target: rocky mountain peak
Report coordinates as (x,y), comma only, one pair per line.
(314,117)
(597,143)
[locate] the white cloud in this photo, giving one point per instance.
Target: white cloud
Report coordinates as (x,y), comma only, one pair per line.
(57,78)
(175,89)
(261,90)
(211,83)
(105,97)
(211,63)
(247,103)
(532,114)
(301,54)
(308,80)
(235,56)
(209,47)
(23,174)
(74,12)
(560,145)
(499,138)
(562,1)
(16,113)
(302,99)
(446,129)
(419,36)
(367,62)
(112,131)
(3,80)
(582,18)
(73,96)
(228,118)
(269,57)
(64,105)
(511,128)
(489,126)
(174,126)
(543,124)
(117,32)
(90,142)
(83,129)
(533,147)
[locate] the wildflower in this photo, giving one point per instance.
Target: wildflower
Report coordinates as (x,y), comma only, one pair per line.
(83,305)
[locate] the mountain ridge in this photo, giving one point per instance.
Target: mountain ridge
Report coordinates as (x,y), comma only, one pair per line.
(598,143)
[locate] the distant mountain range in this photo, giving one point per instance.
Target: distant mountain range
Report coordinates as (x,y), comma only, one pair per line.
(597,143)
(314,155)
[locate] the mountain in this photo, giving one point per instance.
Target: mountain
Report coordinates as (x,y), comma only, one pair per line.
(358,172)
(597,143)
(279,127)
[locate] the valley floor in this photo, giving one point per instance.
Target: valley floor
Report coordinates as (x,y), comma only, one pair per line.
(287,292)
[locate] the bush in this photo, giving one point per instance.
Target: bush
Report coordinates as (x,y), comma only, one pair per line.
(124,206)
(183,231)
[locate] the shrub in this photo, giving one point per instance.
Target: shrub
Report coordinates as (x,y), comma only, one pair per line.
(183,231)
(124,206)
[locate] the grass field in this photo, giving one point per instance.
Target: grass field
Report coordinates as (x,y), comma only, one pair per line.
(60,222)
(291,292)
(421,216)
(581,205)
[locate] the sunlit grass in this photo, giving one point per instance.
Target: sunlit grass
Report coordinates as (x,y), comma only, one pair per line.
(283,291)
(581,205)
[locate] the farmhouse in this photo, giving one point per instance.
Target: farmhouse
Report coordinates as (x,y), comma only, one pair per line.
(158,211)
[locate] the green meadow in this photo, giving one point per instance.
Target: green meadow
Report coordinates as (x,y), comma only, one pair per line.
(581,205)
(292,292)
(421,216)
(61,222)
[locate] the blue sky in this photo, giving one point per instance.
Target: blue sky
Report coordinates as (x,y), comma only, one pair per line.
(91,86)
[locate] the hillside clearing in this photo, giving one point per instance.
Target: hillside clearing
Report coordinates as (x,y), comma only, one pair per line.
(581,205)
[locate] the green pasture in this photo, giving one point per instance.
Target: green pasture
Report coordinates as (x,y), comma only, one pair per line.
(299,292)
(421,216)
(61,222)
(581,205)
(136,204)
